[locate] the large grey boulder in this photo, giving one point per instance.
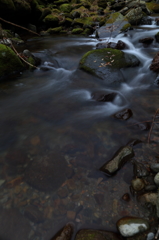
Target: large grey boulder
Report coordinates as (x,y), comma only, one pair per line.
(106,64)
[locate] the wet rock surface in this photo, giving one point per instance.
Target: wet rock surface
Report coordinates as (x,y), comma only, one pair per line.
(44,174)
(124,114)
(104,97)
(120,45)
(154,65)
(123,155)
(130,226)
(96,235)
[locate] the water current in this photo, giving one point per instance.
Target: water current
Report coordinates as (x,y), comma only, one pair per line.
(55,137)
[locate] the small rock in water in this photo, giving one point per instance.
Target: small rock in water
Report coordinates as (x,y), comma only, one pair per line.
(147,40)
(154,167)
(126,197)
(118,160)
(154,65)
(124,114)
(137,184)
(104,97)
(130,226)
(66,232)
(156,179)
(150,236)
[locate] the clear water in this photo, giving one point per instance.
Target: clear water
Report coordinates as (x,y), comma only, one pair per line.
(47,114)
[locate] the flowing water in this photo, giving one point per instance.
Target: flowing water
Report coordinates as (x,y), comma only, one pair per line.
(55,137)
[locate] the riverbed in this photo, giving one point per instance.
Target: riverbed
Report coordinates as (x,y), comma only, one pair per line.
(50,125)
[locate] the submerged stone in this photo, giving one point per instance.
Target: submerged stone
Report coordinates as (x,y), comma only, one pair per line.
(123,155)
(46,174)
(130,226)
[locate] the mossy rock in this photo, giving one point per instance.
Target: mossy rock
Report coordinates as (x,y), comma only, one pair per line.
(135,15)
(51,20)
(77,31)
(23,10)
(113,25)
(153,6)
(84,22)
(9,61)
(106,63)
(66,8)
(87,32)
(54,30)
(85,3)
(125,27)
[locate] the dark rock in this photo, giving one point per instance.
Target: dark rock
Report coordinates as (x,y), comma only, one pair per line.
(13,225)
(140,170)
(157,37)
(16,157)
(123,155)
(119,45)
(154,167)
(126,197)
(146,21)
(48,173)
(143,126)
(99,198)
(92,234)
(155,63)
(157,21)
(124,114)
(65,233)
(118,6)
(33,214)
(104,97)
(147,40)
(150,188)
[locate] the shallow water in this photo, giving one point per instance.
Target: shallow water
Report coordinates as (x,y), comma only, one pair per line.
(49,121)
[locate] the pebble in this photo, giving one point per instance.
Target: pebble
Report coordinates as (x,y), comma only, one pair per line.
(156,179)
(130,226)
(150,236)
(2,181)
(137,184)
(71,215)
(155,167)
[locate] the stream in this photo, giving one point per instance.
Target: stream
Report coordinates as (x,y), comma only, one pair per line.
(50,124)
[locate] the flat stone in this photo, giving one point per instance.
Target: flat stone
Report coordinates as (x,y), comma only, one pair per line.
(130,226)
(123,155)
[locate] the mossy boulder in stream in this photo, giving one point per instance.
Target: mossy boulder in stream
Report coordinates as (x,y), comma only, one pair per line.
(106,64)
(9,61)
(113,26)
(153,6)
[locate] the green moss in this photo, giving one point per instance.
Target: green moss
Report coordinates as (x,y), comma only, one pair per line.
(115,17)
(77,31)
(66,8)
(125,27)
(9,61)
(54,30)
(153,6)
(31,61)
(59,2)
(51,20)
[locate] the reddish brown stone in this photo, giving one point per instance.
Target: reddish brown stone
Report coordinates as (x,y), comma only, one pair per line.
(155,63)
